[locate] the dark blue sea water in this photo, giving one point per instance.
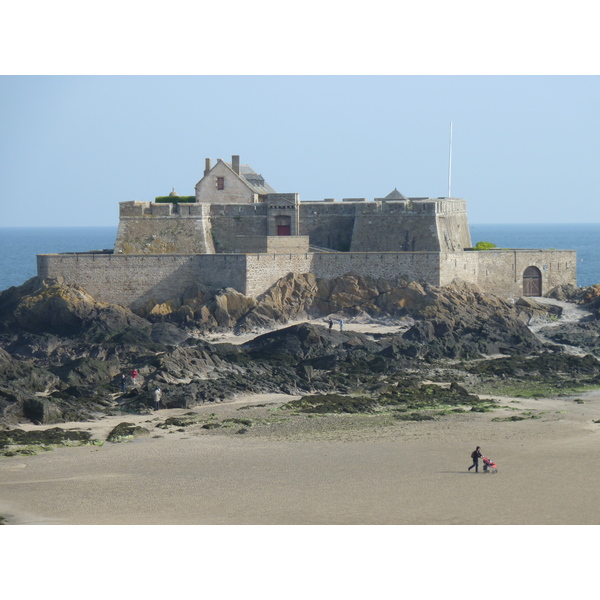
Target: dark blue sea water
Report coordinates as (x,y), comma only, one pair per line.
(19,245)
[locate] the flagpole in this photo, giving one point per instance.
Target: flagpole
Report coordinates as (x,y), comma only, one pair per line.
(450,165)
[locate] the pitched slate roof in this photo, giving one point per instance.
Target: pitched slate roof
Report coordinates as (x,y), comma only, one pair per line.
(254,180)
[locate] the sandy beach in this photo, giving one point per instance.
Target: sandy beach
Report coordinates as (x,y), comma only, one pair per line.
(338,469)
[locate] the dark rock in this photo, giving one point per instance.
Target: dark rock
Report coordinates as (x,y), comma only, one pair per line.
(583,334)
(41,411)
(125,431)
(67,351)
(167,334)
(51,436)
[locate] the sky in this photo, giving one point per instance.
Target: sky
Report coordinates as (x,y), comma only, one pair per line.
(106,103)
(524,148)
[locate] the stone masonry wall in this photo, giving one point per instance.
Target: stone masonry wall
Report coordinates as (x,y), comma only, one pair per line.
(286,244)
(382,226)
(265,269)
(501,272)
(234,189)
(453,231)
(328,224)
(163,228)
(230,223)
(133,280)
(391,231)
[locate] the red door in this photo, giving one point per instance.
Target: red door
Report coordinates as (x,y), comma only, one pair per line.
(284,230)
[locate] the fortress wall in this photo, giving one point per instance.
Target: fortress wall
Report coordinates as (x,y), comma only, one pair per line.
(459,265)
(453,231)
(263,270)
(501,272)
(421,266)
(133,280)
(164,235)
(393,231)
(381,226)
(296,244)
(163,228)
(328,224)
(230,222)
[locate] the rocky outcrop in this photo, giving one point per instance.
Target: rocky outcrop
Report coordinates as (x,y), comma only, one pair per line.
(571,293)
(42,307)
(62,353)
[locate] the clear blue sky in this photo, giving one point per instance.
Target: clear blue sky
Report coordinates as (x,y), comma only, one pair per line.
(525,148)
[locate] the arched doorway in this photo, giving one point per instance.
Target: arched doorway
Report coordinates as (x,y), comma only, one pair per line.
(532,282)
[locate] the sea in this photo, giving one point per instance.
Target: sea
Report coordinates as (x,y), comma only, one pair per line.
(20,245)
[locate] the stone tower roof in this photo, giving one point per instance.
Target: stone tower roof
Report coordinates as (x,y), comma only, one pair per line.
(173,193)
(395,195)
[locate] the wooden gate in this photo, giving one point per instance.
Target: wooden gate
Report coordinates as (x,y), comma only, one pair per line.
(532,282)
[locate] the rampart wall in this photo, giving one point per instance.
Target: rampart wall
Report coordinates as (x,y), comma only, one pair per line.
(134,280)
(357,226)
(231,222)
(501,271)
(263,270)
(328,224)
(164,228)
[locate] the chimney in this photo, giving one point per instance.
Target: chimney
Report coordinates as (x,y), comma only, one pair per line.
(235,163)
(207,167)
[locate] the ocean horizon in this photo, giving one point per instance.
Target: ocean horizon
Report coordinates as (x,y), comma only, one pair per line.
(20,245)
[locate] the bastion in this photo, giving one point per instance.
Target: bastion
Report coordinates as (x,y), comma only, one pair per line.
(238,232)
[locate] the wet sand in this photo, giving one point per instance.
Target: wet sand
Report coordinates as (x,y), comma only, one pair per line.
(327,470)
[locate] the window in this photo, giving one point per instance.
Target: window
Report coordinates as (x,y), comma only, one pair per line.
(220,183)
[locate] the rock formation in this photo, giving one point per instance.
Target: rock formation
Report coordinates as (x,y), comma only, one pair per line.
(62,353)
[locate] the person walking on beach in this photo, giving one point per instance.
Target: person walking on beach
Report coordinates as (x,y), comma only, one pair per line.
(134,374)
(157,395)
(123,383)
(330,324)
(476,455)
(341,324)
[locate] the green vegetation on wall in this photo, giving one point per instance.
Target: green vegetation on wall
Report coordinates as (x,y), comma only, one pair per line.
(175,199)
(484,246)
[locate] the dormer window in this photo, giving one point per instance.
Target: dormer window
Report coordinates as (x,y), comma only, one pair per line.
(220,183)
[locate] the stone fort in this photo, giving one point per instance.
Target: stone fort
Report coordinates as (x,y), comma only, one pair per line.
(238,232)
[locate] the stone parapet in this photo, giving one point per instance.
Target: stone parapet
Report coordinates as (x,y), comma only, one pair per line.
(136,279)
